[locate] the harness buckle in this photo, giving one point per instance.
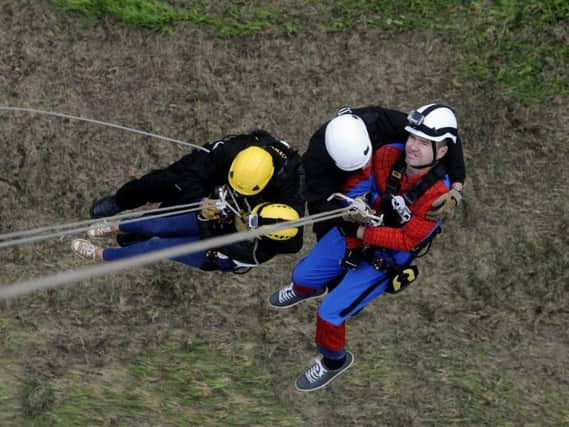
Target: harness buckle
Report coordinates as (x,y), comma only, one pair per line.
(379,264)
(396,174)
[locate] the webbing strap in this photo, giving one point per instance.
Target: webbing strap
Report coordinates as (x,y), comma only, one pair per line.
(411,196)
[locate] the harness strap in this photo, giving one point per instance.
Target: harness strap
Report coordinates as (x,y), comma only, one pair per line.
(411,196)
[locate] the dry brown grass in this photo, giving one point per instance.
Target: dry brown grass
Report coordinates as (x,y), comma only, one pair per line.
(481,340)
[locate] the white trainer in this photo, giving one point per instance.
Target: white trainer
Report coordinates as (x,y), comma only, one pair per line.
(84,249)
(101,229)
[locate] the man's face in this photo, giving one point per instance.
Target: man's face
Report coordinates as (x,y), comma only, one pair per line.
(418,151)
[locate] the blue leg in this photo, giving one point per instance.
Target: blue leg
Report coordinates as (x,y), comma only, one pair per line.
(194,260)
(169,226)
(322,264)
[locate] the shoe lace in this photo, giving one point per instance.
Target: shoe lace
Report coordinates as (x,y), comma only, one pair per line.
(286,294)
(315,372)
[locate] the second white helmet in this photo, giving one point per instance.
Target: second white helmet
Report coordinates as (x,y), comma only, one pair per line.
(435,122)
(347,142)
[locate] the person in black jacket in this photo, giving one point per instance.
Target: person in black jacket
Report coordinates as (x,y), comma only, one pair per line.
(259,174)
(332,157)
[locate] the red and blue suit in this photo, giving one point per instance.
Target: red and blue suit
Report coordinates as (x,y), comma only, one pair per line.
(394,245)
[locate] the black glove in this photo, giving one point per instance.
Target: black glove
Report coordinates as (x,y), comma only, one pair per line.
(107,206)
(352,258)
(348,229)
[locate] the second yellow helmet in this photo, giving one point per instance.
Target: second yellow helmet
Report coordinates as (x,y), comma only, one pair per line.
(273,213)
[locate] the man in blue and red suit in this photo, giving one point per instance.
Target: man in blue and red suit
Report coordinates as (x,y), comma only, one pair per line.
(403,181)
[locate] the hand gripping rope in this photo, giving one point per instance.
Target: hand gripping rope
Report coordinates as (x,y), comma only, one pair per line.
(359,209)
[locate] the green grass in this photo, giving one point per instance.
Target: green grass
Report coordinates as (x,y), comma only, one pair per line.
(513,45)
(193,384)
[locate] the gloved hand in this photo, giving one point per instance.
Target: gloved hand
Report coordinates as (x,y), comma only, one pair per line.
(360,209)
(106,206)
(209,209)
(348,229)
(445,205)
(355,216)
(241,223)
(352,258)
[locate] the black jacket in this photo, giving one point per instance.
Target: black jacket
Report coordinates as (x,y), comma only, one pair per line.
(197,174)
(324,178)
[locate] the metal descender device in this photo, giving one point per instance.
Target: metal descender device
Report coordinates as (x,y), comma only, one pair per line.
(226,209)
(359,207)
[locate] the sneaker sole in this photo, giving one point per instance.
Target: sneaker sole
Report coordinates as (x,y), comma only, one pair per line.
(327,382)
(285,307)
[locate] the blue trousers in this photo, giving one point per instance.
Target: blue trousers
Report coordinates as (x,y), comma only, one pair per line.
(165,232)
(356,289)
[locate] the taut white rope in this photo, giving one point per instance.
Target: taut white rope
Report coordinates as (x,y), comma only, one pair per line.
(22,288)
(99,122)
(140,217)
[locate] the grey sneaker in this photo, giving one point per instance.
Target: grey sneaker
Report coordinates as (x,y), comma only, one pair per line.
(287,297)
(317,376)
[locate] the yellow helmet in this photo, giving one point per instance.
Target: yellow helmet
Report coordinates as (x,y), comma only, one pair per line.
(272,213)
(251,171)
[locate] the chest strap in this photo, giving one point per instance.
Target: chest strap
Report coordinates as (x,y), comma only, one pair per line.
(411,195)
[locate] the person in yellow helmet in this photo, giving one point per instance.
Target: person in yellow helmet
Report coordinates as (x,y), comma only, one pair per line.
(253,171)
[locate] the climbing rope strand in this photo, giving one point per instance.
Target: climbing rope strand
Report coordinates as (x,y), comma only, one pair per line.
(99,122)
(148,212)
(26,287)
(26,240)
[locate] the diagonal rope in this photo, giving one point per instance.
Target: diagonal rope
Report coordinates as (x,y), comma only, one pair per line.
(99,122)
(85,228)
(16,236)
(67,277)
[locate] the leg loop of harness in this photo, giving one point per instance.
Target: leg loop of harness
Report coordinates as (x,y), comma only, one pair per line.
(401,277)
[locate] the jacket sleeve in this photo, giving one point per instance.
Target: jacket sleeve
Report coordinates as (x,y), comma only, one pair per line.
(162,185)
(454,162)
(192,177)
(384,126)
(289,183)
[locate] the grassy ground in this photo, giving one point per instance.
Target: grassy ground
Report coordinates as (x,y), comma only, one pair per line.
(481,339)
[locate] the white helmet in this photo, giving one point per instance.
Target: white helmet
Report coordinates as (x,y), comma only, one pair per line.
(347,142)
(435,122)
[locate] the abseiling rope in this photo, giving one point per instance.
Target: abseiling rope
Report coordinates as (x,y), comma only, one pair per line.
(26,287)
(101,123)
(80,226)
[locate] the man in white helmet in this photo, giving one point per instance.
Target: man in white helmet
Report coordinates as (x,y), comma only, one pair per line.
(404,180)
(337,150)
